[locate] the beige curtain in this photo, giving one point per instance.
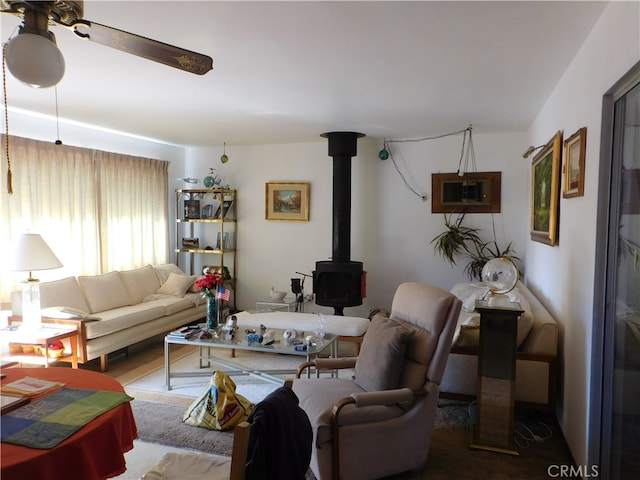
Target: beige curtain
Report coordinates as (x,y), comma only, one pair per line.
(97,211)
(133,210)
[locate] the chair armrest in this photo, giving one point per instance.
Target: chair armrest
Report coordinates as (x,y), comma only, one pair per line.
(383,397)
(369,399)
(327,364)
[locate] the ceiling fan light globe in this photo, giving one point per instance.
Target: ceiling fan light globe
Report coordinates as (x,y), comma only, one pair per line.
(35,60)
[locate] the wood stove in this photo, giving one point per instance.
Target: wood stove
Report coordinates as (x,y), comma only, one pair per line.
(340,282)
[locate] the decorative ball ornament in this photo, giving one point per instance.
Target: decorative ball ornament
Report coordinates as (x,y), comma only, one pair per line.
(383,154)
(501,274)
(223,157)
(208,181)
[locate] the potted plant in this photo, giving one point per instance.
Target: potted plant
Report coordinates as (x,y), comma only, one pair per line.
(459,241)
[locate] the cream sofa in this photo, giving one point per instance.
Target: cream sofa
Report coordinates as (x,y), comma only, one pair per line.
(120,308)
(535,357)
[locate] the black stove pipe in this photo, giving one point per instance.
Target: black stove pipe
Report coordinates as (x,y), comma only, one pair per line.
(342,146)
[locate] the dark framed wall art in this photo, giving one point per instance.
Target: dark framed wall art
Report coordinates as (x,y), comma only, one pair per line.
(545,192)
(574,153)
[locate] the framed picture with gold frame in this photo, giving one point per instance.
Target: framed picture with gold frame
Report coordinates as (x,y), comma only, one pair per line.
(545,192)
(574,152)
(287,201)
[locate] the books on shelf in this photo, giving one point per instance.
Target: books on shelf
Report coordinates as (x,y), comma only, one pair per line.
(29,387)
(191,209)
(225,209)
(225,242)
(185,332)
(227,212)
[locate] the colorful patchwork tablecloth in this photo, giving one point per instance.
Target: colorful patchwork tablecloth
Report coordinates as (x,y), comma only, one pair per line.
(46,422)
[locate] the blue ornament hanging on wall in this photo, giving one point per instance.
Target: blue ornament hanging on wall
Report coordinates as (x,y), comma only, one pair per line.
(383,154)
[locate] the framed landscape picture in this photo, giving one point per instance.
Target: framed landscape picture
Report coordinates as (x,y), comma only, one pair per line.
(287,201)
(545,192)
(574,152)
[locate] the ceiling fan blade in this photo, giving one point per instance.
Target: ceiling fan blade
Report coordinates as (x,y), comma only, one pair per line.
(144,47)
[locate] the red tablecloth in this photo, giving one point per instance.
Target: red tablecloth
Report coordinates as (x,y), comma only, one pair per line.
(95,452)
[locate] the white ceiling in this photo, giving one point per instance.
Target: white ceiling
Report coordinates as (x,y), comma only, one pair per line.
(286,72)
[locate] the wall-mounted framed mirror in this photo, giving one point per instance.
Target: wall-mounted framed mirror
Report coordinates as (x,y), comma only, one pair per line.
(477,192)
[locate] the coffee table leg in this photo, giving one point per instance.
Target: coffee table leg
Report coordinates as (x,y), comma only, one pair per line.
(167,362)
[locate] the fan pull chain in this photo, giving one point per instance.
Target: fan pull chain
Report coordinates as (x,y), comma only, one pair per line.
(6,121)
(58,141)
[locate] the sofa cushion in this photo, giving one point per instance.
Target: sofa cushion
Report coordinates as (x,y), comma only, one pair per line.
(104,292)
(170,303)
(140,282)
(381,358)
(65,292)
(176,284)
(119,319)
(163,271)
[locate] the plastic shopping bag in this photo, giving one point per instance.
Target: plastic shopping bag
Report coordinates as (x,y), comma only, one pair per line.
(219,407)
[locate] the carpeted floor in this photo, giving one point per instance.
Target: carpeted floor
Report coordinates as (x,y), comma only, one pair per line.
(158,416)
(450,456)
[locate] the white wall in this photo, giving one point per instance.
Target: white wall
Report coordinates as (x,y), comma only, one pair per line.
(563,276)
(391,227)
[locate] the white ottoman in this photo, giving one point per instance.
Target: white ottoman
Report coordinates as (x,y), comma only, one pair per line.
(348,329)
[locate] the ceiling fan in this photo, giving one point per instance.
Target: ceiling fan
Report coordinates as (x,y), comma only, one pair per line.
(33,57)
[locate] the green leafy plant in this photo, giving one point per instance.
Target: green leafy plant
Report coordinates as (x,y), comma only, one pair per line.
(453,241)
(458,241)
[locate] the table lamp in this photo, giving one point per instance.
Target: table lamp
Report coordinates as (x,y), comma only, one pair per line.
(31,254)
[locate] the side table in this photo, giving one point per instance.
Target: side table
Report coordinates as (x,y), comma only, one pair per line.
(495,407)
(44,335)
(268,304)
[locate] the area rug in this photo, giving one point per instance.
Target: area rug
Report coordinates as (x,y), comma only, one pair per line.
(158,415)
(449,455)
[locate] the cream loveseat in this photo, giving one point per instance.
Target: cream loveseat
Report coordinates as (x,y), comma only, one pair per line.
(535,357)
(120,308)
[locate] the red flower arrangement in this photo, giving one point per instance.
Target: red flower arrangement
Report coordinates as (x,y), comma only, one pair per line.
(208,284)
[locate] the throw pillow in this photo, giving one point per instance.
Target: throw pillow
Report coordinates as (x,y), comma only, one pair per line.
(176,285)
(165,269)
(382,355)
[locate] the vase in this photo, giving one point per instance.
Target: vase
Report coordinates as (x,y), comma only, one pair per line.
(212,313)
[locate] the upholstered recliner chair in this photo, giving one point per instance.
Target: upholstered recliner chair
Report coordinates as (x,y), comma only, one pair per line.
(380,422)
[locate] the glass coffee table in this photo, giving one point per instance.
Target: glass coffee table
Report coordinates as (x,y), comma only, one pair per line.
(207,347)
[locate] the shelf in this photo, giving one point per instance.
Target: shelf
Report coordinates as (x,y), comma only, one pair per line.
(203,250)
(206,190)
(205,220)
(206,231)
(36,359)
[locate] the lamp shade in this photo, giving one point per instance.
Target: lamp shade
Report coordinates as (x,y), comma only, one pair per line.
(35,60)
(32,253)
